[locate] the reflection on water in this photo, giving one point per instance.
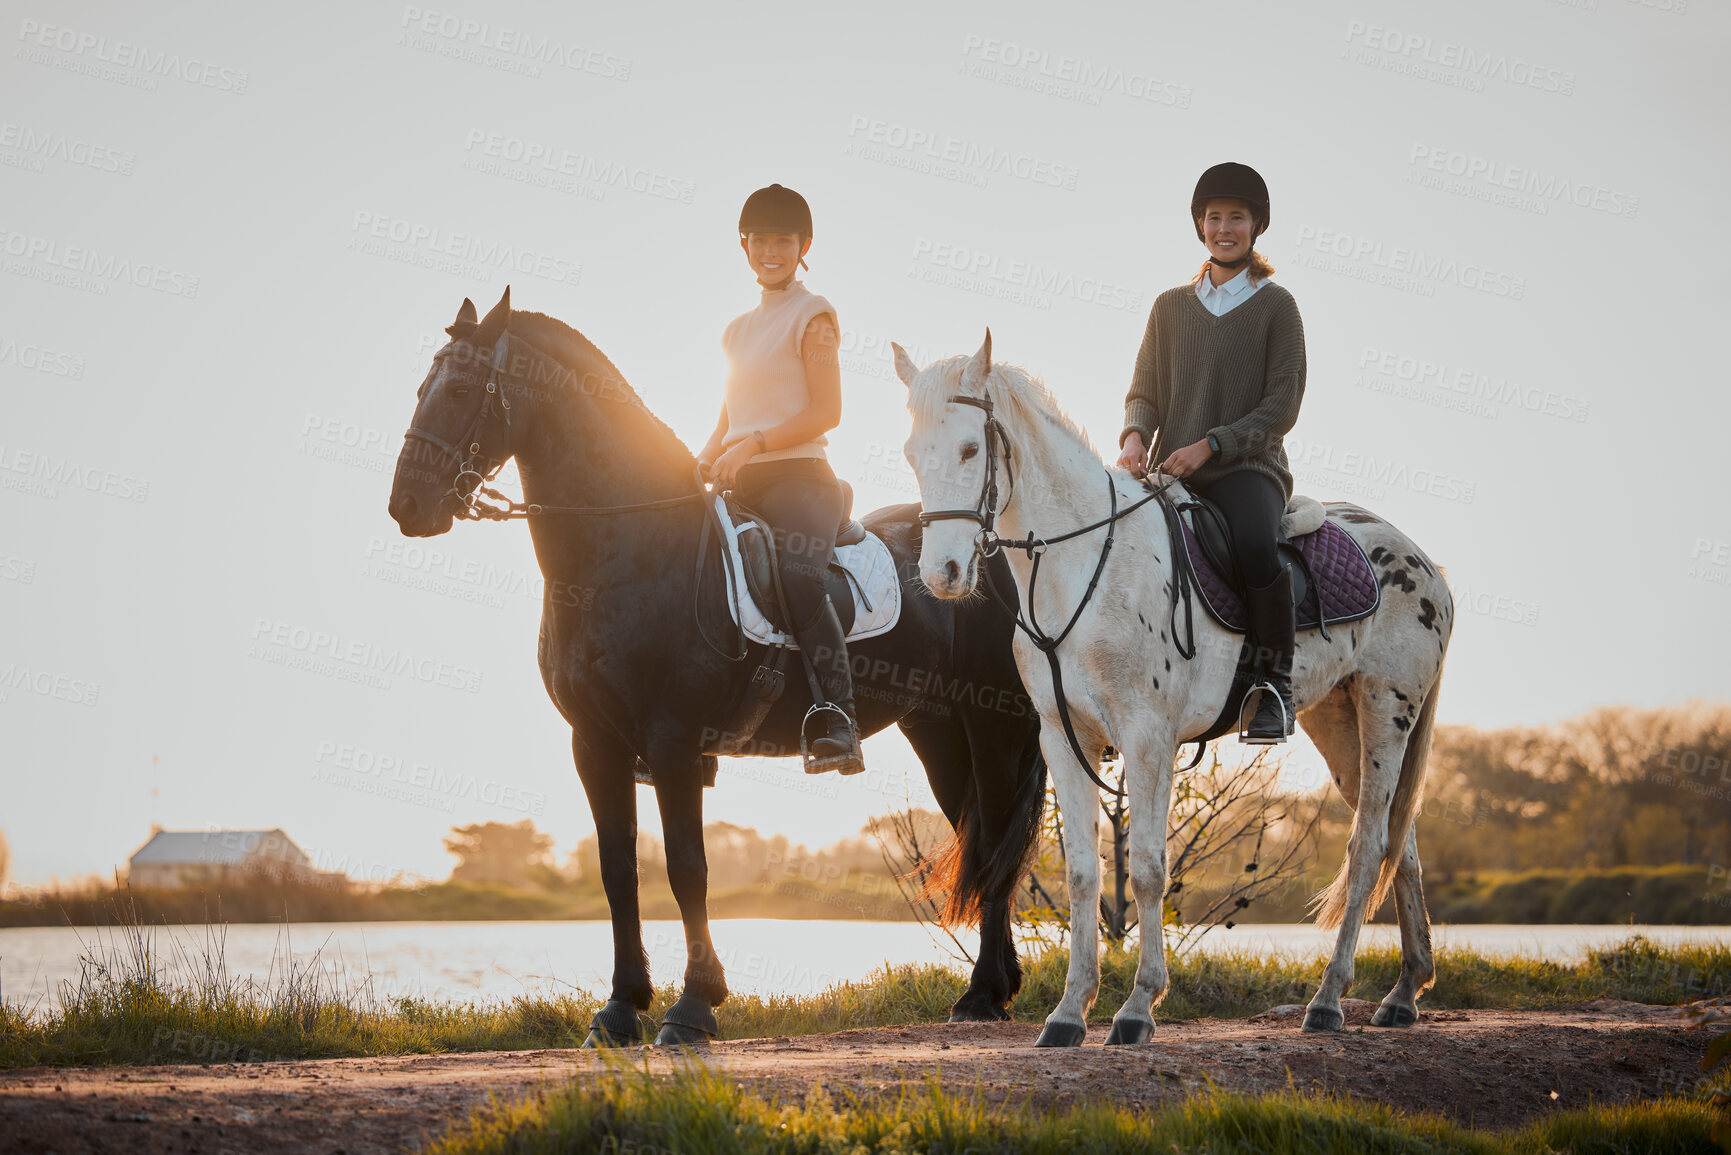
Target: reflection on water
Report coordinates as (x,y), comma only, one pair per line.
(465,960)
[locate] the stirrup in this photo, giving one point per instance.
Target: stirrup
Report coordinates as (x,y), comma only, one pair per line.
(846,763)
(1250,694)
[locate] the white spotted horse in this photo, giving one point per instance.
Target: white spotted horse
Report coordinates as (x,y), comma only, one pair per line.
(640,653)
(1113,658)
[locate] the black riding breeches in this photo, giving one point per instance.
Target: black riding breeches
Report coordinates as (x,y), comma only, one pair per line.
(1252,504)
(800,499)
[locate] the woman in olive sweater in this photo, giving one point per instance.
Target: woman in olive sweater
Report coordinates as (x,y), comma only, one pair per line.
(1217,385)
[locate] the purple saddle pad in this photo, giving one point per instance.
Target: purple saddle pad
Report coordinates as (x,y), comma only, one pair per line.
(1342,586)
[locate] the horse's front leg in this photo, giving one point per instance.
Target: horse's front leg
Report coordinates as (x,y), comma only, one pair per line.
(1079,804)
(605,770)
(691,1020)
(1148,780)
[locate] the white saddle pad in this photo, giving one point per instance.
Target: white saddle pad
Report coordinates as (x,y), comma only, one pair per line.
(870,563)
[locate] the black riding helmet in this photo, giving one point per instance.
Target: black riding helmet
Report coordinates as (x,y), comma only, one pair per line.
(776,210)
(1239,181)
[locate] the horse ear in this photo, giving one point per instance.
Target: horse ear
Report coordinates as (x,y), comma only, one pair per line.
(496,320)
(979,366)
(465,323)
(905,367)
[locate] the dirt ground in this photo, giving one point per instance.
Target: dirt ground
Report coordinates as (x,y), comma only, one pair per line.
(1486,1068)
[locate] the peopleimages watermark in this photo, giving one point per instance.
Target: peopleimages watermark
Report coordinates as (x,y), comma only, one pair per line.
(1365,474)
(1460,388)
(1711,561)
(20,677)
(1399,267)
(1514,186)
(1447,62)
(1498,607)
(551,166)
(17,569)
(933,153)
(418,783)
(40,358)
(317,651)
(1073,78)
(1012,279)
(27,147)
(42,475)
(461,254)
(87,269)
(503,47)
(435,570)
(121,61)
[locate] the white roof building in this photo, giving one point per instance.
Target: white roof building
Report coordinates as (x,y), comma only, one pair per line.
(174,858)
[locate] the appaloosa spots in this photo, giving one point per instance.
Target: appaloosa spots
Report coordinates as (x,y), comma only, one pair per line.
(1397,577)
(1427,615)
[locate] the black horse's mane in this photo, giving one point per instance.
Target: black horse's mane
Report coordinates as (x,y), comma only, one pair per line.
(567,345)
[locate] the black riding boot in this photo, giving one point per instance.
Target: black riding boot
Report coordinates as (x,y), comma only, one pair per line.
(1273,622)
(836,747)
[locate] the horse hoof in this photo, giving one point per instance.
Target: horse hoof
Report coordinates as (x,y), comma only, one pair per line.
(614,1025)
(675,1035)
(1394,1015)
(690,1022)
(978,1014)
(1130,1031)
(1058,1034)
(1323,1019)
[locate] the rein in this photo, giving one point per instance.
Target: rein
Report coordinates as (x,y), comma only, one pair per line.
(985,514)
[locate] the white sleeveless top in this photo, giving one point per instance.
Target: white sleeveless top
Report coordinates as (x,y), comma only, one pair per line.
(765,375)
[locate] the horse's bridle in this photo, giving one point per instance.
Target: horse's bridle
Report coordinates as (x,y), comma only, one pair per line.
(467,448)
(985,510)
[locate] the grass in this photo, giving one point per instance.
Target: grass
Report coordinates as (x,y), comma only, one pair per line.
(131,1005)
(700,1112)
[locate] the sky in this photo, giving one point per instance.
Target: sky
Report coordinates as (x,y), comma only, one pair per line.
(231,237)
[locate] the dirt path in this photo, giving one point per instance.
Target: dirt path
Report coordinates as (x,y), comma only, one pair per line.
(1489,1068)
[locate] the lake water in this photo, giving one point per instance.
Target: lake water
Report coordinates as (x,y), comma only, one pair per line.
(466,960)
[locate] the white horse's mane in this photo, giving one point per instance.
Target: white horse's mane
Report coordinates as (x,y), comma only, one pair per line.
(1021,400)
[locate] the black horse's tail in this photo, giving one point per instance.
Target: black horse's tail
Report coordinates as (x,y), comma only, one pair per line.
(966,872)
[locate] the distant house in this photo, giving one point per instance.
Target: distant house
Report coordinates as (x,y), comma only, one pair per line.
(177,858)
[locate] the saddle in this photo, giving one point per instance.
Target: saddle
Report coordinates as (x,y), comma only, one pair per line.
(1332,580)
(757,553)
(1332,583)
(861,580)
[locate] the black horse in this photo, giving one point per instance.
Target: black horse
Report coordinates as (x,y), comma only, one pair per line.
(640,654)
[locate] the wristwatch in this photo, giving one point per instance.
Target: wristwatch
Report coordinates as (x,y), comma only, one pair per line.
(1213,443)
(757,436)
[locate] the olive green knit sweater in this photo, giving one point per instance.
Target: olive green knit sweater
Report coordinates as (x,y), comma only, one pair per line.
(1239,376)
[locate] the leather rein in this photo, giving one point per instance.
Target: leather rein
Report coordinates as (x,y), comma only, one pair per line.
(985,514)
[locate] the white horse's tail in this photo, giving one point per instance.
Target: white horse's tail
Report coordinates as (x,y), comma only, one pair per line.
(1330,905)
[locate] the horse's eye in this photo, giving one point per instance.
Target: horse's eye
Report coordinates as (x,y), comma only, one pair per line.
(969,450)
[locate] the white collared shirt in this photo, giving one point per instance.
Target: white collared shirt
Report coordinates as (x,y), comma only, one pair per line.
(1221,299)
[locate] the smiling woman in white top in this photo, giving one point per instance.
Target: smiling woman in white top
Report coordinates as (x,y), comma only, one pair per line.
(1217,385)
(783,395)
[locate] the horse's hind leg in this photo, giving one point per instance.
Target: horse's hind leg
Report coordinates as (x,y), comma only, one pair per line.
(1363,878)
(679,794)
(1417,965)
(945,748)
